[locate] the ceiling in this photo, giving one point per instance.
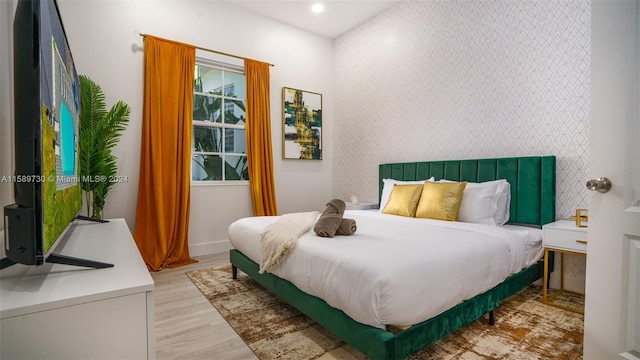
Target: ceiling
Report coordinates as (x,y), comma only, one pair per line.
(338,17)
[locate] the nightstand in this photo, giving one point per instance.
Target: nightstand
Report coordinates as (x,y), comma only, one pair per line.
(563,237)
(361,206)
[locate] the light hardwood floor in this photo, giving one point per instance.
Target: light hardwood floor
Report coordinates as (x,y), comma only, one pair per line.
(187,325)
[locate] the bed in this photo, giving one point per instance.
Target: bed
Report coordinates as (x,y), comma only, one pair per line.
(532,204)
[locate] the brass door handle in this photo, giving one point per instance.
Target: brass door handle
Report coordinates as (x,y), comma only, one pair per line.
(581,241)
(601,184)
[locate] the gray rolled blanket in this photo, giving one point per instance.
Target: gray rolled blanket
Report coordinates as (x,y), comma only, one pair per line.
(331,222)
(330,219)
(347,227)
(327,225)
(334,206)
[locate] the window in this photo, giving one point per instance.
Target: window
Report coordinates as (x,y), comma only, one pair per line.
(219,118)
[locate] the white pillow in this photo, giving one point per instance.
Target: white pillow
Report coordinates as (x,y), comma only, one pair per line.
(485,203)
(388,187)
(504,203)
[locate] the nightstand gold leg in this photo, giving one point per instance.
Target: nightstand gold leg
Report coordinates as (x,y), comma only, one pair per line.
(548,299)
(562,271)
(561,237)
(545,282)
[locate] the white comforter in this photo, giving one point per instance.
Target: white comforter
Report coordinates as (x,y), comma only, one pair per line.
(395,270)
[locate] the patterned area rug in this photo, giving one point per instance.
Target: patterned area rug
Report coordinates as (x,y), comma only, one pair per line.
(525,328)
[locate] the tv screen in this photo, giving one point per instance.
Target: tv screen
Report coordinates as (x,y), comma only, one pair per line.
(46,118)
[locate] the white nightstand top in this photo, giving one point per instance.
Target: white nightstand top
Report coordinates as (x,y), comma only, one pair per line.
(565,235)
(568,225)
(361,206)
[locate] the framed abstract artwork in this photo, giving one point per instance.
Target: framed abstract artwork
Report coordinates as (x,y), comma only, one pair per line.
(301,124)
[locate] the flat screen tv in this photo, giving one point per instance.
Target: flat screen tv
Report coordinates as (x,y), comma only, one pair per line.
(47,190)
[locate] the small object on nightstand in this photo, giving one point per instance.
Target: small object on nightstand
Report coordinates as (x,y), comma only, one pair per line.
(361,205)
(581,216)
(354,200)
(564,237)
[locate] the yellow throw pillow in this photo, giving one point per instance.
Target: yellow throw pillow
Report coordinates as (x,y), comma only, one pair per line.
(403,200)
(440,201)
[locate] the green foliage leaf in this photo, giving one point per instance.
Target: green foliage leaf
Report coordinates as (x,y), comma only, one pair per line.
(100,131)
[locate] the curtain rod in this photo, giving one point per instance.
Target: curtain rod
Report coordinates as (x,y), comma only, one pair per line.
(205,49)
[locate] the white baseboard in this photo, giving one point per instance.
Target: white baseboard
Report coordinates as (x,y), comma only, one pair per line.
(213,247)
(631,355)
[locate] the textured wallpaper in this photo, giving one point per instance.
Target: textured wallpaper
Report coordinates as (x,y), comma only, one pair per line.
(438,80)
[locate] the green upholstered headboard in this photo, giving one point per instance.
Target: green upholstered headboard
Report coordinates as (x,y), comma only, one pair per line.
(532,180)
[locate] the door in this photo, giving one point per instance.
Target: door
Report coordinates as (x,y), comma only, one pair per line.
(612,309)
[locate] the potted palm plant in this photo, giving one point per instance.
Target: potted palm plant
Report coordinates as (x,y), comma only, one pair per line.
(100,131)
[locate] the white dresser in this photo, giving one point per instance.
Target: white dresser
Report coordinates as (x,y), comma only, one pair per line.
(62,311)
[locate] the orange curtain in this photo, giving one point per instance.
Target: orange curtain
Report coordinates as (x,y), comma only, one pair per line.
(162,215)
(258,132)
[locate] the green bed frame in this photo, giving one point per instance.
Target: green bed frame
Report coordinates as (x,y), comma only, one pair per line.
(533,190)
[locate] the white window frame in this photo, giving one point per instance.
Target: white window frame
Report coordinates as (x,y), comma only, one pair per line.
(225,67)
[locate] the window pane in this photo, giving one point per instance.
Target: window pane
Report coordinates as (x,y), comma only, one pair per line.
(206,167)
(235,141)
(234,112)
(207,108)
(219,98)
(207,139)
(208,80)
(236,168)
(234,85)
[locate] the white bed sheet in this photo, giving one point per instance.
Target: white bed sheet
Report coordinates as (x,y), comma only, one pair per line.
(396,270)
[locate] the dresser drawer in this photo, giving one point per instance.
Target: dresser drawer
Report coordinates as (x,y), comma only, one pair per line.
(566,240)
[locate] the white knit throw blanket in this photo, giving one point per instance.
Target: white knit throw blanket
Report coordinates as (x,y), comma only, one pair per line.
(280,238)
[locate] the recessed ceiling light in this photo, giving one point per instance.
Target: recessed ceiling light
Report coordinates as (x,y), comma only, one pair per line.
(317,8)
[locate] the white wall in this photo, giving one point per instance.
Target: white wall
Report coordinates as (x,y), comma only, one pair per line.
(437,80)
(481,73)
(106,46)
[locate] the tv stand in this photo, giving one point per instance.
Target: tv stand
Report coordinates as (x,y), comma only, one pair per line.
(5,263)
(88,218)
(74,261)
(63,259)
(78,313)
